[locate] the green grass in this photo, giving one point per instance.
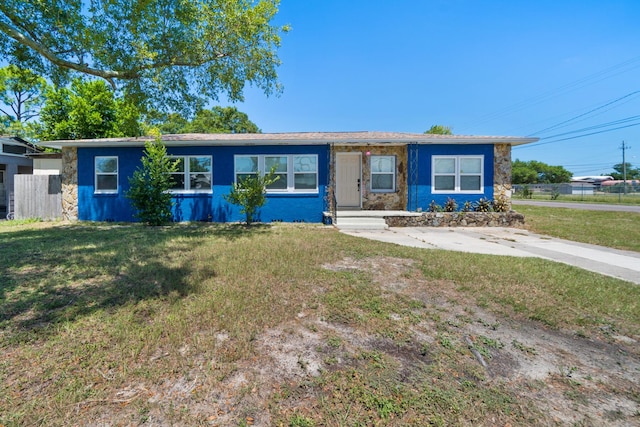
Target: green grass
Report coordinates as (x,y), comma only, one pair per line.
(98,323)
(609,198)
(619,230)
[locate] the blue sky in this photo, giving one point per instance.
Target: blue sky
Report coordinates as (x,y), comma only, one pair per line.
(482,67)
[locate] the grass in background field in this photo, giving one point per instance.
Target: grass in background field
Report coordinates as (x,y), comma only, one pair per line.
(610,198)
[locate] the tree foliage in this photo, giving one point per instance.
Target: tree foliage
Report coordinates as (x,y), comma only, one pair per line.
(250,193)
(87,109)
(534,172)
(150,185)
(21,93)
(439,130)
(216,120)
(170,53)
(631,172)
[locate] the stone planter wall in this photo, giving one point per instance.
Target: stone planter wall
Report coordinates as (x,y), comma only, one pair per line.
(458,219)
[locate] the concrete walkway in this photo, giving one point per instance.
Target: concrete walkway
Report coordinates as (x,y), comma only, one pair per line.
(623,265)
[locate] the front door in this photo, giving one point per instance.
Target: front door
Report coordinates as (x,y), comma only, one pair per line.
(348,180)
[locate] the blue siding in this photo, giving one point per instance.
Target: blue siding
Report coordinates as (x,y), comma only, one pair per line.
(420,195)
(209,206)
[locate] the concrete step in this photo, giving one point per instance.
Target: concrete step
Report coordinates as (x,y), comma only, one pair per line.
(360,223)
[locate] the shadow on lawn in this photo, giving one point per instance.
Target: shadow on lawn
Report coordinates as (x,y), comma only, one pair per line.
(58,273)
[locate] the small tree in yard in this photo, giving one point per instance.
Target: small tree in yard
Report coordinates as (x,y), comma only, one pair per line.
(150,184)
(249,193)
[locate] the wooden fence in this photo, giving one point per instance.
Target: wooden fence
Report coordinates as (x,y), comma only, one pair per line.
(37,196)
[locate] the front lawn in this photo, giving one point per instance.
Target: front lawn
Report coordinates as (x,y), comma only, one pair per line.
(619,230)
(300,325)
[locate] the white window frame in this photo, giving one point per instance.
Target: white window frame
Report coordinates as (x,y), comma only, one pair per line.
(276,186)
(290,172)
(457,174)
(96,174)
(392,173)
(187,175)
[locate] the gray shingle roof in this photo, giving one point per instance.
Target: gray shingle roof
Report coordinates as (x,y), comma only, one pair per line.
(298,138)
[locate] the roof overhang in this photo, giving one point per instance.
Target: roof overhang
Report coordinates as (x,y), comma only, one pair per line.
(294,138)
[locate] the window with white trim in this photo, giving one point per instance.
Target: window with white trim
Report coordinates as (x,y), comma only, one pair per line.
(457,174)
(383,173)
(305,173)
(297,173)
(280,165)
(106,177)
(193,174)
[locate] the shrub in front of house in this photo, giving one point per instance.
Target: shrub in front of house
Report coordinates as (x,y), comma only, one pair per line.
(482,205)
(450,205)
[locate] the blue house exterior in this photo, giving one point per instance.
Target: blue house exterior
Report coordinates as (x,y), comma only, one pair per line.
(421,195)
(319,173)
(198,205)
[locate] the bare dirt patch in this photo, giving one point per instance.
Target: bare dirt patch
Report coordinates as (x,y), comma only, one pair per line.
(570,379)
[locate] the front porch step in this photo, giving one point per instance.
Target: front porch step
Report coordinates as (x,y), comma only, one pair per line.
(360,223)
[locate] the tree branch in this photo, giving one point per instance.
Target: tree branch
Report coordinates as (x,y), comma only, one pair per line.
(108,75)
(5,113)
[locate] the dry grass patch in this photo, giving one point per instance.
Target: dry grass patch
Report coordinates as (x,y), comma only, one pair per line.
(300,325)
(619,230)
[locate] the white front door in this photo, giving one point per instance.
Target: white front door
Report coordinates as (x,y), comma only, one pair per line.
(348,179)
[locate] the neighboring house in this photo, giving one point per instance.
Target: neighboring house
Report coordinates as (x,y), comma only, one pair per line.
(319,173)
(14,160)
(47,163)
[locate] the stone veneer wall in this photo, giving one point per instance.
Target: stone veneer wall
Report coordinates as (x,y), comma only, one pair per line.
(374,200)
(502,172)
(458,219)
(70,183)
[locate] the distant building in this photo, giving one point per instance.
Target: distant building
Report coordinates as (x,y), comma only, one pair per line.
(14,159)
(580,188)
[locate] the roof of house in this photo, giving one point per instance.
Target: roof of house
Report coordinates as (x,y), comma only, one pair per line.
(297,138)
(17,141)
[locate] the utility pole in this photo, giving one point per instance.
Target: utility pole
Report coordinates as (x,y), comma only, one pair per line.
(624,166)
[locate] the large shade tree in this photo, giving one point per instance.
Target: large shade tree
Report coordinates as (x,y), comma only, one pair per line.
(87,109)
(169,53)
(21,95)
(216,120)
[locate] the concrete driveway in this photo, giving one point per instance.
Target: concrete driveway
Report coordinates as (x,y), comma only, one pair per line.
(623,265)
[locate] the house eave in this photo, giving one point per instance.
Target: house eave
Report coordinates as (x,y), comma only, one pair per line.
(296,138)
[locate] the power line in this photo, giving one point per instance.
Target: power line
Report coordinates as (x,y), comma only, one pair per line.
(550,94)
(598,126)
(575,137)
(564,123)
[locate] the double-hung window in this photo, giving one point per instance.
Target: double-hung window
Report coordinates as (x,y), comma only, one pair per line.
(193,173)
(297,173)
(106,178)
(383,173)
(305,173)
(457,174)
(280,166)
